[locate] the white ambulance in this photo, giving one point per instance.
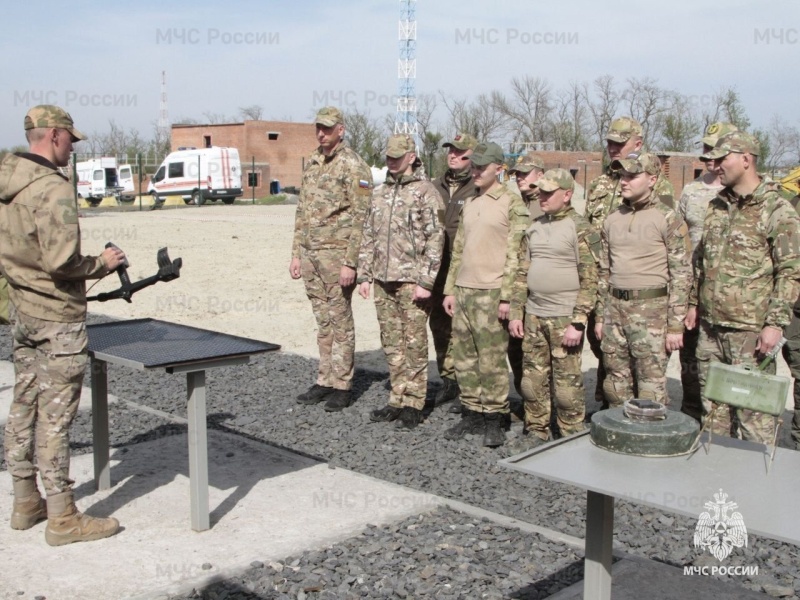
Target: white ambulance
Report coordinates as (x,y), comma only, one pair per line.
(98,178)
(199,174)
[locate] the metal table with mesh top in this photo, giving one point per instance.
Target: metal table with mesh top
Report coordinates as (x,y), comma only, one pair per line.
(152,344)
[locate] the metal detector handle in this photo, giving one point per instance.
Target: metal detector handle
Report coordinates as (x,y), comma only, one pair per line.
(122,271)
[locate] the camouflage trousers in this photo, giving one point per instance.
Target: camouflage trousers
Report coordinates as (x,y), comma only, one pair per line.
(480,343)
(692,404)
(441,325)
(515,357)
(404,338)
(49,363)
(634,351)
(791,353)
(547,362)
(336,334)
(594,344)
(732,347)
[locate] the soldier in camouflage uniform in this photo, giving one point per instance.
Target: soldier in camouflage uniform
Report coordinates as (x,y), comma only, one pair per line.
(692,207)
(334,199)
(645,279)
(455,187)
(603,197)
(401,251)
(747,270)
(554,292)
(40,253)
(478,292)
(526,172)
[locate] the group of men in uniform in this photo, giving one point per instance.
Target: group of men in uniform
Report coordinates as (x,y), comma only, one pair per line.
(521,279)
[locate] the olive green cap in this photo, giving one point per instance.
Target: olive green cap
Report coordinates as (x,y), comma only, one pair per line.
(48,115)
(735,141)
(399,145)
(486,153)
(329,116)
(639,163)
(622,129)
(555,179)
(527,163)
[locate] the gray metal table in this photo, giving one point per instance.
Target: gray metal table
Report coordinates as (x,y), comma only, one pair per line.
(152,344)
(680,485)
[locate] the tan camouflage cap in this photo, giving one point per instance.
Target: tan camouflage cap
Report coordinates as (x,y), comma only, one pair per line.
(623,129)
(48,115)
(639,163)
(735,141)
(399,145)
(462,141)
(527,163)
(486,153)
(717,130)
(329,116)
(555,179)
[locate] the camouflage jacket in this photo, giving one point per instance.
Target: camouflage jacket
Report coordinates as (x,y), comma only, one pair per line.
(644,231)
(603,196)
(403,237)
(471,245)
(557,270)
(693,206)
(40,241)
(334,199)
(748,263)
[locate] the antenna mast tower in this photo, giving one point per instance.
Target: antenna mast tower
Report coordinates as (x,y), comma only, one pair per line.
(406,118)
(163,115)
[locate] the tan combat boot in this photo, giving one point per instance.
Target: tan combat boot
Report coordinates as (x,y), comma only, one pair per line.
(66,524)
(29,507)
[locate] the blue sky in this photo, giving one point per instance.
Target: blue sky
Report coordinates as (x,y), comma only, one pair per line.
(103,61)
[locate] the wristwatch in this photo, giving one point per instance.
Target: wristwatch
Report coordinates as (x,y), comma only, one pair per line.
(579,326)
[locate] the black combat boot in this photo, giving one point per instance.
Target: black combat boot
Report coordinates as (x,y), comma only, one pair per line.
(387,413)
(471,422)
(494,434)
(449,391)
(338,400)
(314,395)
(409,418)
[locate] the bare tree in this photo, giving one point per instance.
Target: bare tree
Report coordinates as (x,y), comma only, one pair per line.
(681,126)
(568,125)
(251,113)
(603,108)
(784,143)
(527,110)
(479,118)
(727,106)
(646,102)
(217,118)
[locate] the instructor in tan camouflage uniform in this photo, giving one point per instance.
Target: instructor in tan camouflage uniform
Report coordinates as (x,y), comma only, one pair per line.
(401,251)
(554,293)
(644,284)
(478,291)
(40,254)
(603,196)
(334,199)
(455,187)
(693,206)
(748,268)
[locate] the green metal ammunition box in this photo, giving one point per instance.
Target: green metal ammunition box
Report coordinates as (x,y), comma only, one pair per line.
(747,388)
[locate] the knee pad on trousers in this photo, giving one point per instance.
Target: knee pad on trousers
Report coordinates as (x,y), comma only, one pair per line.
(647,394)
(531,381)
(612,396)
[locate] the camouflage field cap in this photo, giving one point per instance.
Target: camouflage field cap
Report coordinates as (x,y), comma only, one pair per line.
(717,130)
(555,179)
(399,145)
(48,115)
(527,163)
(462,141)
(735,141)
(639,163)
(486,153)
(623,129)
(329,116)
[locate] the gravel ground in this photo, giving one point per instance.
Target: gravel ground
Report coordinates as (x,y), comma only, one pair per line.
(456,555)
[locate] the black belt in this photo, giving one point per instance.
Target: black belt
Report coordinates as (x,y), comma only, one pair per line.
(648,294)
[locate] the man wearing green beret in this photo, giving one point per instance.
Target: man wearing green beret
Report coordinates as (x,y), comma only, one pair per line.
(478,291)
(747,275)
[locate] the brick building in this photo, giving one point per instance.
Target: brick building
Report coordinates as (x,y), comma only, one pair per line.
(278,148)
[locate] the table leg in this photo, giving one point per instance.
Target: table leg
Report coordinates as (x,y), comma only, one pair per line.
(198,449)
(599,540)
(102,466)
